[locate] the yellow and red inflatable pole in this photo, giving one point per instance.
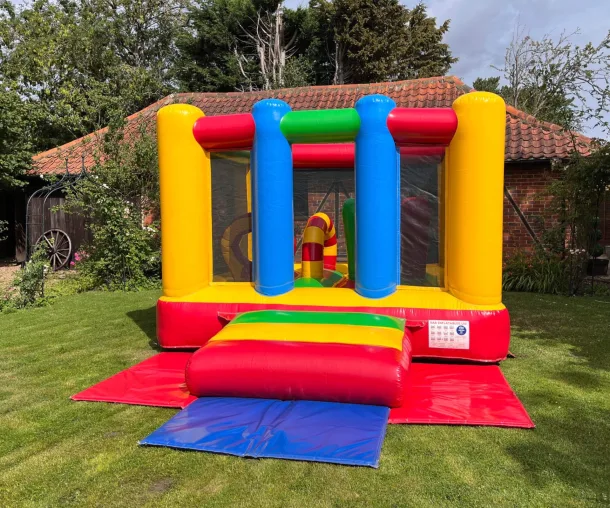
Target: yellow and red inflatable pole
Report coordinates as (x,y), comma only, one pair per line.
(319,247)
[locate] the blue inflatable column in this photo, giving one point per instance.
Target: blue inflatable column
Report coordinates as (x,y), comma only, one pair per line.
(272,212)
(377,200)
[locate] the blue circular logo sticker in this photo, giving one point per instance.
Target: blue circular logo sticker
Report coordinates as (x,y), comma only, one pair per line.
(461,330)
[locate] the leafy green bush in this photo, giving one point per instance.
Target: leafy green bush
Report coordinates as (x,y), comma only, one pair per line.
(600,289)
(595,235)
(3,230)
(28,289)
(575,201)
(122,254)
(70,283)
(536,272)
(123,186)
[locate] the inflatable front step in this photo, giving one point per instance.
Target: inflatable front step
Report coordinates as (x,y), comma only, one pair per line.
(290,355)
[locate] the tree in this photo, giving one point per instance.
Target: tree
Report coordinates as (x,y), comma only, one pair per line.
(209,57)
(379,40)
(260,44)
(555,80)
(141,39)
(488,85)
(273,52)
(78,64)
(34,45)
(426,53)
(243,45)
(15,139)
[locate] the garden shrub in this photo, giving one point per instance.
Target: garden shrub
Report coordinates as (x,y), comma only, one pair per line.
(122,254)
(595,236)
(28,289)
(3,230)
(122,187)
(559,264)
(71,282)
(575,201)
(537,272)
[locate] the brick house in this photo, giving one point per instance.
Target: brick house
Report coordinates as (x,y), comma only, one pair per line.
(531,145)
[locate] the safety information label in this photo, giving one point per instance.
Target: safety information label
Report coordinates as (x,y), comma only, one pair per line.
(449,334)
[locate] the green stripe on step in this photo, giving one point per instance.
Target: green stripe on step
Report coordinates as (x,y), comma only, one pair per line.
(320,318)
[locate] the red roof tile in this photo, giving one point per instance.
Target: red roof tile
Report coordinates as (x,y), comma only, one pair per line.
(526,137)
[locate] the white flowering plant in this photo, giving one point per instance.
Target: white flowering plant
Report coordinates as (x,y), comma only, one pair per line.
(122,188)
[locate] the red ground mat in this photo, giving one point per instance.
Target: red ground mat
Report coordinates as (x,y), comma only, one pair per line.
(452,394)
(441,394)
(157,381)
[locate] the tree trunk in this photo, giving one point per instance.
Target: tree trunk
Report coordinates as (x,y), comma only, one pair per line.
(339,77)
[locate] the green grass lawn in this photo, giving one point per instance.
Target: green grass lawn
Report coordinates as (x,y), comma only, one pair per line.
(57,452)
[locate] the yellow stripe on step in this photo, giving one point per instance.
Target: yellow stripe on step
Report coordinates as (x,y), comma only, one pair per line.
(291,332)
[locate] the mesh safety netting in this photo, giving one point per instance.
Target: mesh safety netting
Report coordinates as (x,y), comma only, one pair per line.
(325,191)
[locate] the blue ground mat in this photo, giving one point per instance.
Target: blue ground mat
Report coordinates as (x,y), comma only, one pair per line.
(350,434)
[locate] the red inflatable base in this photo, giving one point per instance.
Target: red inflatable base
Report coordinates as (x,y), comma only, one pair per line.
(157,381)
(191,325)
(453,394)
(300,371)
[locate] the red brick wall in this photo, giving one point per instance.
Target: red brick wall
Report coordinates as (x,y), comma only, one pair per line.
(526,183)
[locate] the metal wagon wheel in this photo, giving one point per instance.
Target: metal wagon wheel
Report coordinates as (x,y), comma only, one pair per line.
(58,246)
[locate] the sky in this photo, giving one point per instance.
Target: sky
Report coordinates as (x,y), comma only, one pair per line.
(480,30)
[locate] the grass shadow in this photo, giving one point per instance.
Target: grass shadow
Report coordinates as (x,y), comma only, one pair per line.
(146,319)
(567,445)
(579,379)
(565,320)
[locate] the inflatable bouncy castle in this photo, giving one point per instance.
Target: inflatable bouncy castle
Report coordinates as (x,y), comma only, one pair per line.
(289,296)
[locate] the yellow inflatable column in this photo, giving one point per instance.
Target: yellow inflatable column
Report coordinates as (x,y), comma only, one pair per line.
(185,185)
(474,206)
